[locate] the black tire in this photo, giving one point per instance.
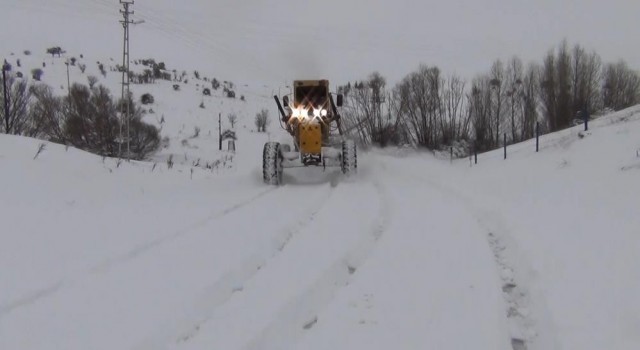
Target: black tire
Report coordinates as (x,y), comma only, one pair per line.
(272,163)
(349,161)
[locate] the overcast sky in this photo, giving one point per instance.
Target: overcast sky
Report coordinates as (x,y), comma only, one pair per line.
(338,39)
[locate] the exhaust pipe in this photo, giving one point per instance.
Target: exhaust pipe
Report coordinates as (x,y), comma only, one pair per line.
(284,116)
(336,115)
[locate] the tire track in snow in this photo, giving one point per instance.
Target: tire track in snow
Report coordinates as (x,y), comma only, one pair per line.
(522,327)
(182,330)
(301,313)
(137,251)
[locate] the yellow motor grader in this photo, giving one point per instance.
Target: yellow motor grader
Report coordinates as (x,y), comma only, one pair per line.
(313,121)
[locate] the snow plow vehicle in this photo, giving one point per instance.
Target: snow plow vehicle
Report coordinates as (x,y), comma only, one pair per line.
(313,121)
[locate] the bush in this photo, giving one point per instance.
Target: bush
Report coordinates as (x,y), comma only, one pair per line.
(82,67)
(215,84)
(176,87)
(27,52)
(206,92)
(103,71)
(145,138)
(92,124)
(92,80)
(262,120)
(147,99)
(37,73)
(55,51)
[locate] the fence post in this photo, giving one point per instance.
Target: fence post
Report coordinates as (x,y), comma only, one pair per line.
(451,151)
(586,121)
(475,154)
(505,146)
(537,136)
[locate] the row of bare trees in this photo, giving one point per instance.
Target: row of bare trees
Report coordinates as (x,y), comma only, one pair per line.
(429,109)
(87,118)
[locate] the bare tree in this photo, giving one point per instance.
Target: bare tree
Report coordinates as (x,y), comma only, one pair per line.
(514,94)
(46,115)
(530,101)
(480,112)
(585,80)
(497,96)
(454,120)
(262,120)
(621,86)
(232,117)
(16,122)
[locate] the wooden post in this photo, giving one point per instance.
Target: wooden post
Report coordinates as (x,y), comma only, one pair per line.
(586,121)
(537,136)
(505,145)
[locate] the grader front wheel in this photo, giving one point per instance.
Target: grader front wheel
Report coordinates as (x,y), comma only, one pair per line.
(272,163)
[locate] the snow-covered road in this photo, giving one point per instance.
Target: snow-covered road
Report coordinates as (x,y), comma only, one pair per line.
(357,262)
(413,252)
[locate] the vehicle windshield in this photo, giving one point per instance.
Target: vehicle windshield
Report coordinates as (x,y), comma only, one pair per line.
(315,96)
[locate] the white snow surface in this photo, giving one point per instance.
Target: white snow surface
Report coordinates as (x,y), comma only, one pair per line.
(414,252)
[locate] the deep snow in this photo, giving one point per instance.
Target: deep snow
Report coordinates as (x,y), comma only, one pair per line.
(414,252)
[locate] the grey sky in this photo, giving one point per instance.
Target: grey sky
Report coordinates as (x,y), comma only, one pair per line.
(343,39)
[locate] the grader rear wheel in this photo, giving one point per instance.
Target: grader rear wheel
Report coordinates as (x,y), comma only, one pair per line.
(349,159)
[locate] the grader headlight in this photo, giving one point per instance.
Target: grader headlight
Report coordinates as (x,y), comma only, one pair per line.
(300,113)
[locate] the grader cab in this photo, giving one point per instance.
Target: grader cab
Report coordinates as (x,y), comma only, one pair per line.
(313,121)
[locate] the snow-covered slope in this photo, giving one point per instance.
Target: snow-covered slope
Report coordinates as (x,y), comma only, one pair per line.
(414,252)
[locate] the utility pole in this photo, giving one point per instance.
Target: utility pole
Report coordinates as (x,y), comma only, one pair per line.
(68,79)
(219,131)
(125,113)
(5,68)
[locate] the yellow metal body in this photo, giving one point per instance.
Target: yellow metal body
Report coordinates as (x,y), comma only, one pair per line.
(310,137)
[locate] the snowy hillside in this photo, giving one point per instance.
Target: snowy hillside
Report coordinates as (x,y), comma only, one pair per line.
(411,253)
(535,252)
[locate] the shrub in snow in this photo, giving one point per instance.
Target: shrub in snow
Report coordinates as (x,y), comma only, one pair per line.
(103,71)
(82,67)
(176,87)
(147,99)
(206,92)
(262,120)
(27,52)
(37,73)
(232,119)
(215,84)
(56,50)
(92,123)
(92,81)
